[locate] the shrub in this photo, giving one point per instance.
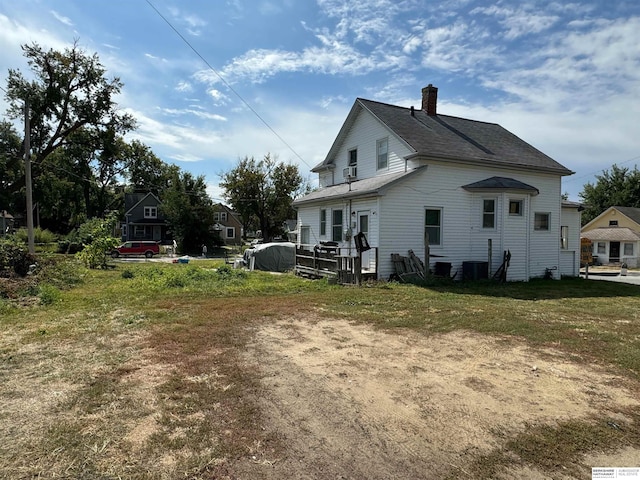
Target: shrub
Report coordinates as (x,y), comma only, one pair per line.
(39,235)
(48,294)
(14,258)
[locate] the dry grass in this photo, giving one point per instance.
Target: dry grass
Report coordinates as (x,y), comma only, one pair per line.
(132,378)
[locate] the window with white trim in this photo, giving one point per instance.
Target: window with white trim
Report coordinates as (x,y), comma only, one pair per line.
(231,232)
(382,149)
(305,235)
(564,237)
(216,216)
(150,212)
(488,213)
(336,222)
(223,216)
(628,249)
(541,221)
(433,225)
(323,222)
(515,207)
(353,160)
(602,248)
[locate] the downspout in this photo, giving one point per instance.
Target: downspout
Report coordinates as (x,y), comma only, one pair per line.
(349,225)
(528,240)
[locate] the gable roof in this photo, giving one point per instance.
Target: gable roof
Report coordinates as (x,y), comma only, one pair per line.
(362,188)
(132,200)
(448,138)
(632,213)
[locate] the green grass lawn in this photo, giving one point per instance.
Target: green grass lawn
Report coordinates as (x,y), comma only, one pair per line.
(72,341)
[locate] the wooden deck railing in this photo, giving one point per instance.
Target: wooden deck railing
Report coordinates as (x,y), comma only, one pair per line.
(336,262)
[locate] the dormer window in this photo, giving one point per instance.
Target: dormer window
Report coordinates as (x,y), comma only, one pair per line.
(150,212)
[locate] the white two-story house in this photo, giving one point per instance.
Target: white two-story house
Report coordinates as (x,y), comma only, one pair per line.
(397,173)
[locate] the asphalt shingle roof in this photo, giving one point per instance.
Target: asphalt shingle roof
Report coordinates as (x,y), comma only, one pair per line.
(365,187)
(500,183)
(632,212)
(447,137)
(612,234)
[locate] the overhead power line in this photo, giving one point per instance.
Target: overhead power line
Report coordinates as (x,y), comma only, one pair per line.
(222,79)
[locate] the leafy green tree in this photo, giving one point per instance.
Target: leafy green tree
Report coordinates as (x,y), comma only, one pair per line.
(11,168)
(99,241)
(72,106)
(145,171)
(188,210)
(617,187)
(69,91)
(263,190)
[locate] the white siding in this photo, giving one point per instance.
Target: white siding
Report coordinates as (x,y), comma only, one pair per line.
(364,134)
(402,213)
(309,216)
(570,257)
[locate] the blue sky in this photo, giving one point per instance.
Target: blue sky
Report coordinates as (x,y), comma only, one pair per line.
(279,76)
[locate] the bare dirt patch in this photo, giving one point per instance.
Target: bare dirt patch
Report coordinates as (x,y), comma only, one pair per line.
(349,401)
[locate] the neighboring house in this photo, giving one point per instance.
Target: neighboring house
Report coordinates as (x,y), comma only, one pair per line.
(143,218)
(396,173)
(227,225)
(6,223)
(615,234)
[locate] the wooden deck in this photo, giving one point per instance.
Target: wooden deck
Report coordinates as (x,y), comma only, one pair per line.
(333,262)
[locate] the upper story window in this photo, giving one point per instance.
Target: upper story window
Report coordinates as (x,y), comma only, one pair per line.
(488,213)
(613,223)
(353,157)
(382,149)
(150,212)
(223,216)
(216,216)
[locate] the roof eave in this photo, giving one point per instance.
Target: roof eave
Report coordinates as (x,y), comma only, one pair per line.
(482,162)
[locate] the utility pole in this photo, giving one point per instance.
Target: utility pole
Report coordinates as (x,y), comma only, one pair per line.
(27,178)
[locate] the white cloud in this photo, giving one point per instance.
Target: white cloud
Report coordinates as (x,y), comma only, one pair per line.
(519,21)
(62,19)
(184,87)
(198,113)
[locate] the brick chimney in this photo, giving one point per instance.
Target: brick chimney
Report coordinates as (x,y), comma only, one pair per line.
(429,100)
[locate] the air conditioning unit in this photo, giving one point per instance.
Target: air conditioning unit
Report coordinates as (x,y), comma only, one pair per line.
(349,173)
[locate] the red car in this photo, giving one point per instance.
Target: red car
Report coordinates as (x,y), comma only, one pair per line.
(148,249)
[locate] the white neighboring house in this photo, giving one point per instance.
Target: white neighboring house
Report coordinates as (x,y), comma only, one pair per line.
(615,235)
(396,173)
